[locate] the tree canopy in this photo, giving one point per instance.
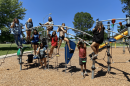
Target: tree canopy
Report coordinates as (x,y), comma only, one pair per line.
(83,21)
(10,9)
(126,7)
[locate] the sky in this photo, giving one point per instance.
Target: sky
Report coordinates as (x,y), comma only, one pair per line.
(63,11)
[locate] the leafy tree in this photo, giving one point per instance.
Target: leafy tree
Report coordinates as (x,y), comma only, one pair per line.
(126,7)
(83,21)
(10,9)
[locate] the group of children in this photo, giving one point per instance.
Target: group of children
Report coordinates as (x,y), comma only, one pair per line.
(41,51)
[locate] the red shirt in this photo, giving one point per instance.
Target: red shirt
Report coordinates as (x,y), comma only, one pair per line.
(54,42)
(82,52)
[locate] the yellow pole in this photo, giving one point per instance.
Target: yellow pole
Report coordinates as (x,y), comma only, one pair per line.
(115,44)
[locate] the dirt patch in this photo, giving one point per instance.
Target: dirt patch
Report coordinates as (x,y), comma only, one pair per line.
(10,74)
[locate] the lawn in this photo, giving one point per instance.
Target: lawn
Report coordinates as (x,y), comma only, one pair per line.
(13,49)
(4,48)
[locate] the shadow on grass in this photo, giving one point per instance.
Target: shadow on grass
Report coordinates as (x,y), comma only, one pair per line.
(10,48)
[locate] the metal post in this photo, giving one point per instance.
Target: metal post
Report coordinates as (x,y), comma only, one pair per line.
(20,58)
(123,45)
(128,25)
(108,48)
(48,47)
(93,61)
(66,55)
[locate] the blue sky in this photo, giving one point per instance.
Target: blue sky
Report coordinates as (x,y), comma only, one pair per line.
(63,11)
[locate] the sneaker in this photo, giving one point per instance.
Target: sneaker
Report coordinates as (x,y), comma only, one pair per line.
(82,73)
(57,54)
(71,51)
(45,68)
(94,57)
(86,73)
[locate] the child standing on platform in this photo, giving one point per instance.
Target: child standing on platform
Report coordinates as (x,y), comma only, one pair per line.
(35,39)
(17,30)
(41,52)
(82,56)
(54,40)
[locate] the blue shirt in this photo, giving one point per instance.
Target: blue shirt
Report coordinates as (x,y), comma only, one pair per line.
(17,28)
(42,52)
(29,24)
(36,37)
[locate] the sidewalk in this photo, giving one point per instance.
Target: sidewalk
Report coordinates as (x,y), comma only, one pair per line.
(10,55)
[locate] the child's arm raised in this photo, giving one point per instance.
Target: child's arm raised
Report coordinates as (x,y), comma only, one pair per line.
(85,45)
(58,29)
(12,25)
(78,44)
(32,36)
(63,30)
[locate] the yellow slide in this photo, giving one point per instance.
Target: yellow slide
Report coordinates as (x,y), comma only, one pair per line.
(117,38)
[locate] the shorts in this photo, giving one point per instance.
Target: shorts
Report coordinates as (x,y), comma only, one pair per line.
(61,37)
(35,43)
(82,59)
(41,57)
(28,30)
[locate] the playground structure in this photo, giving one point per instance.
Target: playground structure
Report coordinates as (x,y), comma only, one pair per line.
(106,45)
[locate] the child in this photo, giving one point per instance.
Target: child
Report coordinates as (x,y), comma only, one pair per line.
(98,38)
(62,32)
(50,22)
(82,56)
(41,52)
(54,40)
(35,41)
(28,24)
(17,30)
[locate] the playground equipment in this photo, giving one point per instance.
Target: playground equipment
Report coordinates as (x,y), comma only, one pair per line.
(101,47)
(110,41)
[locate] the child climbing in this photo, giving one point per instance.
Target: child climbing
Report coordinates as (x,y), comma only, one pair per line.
(82,56)
(28,25)
(98,38)
(41,52)
(35,39)
(62,32)
(50,22)
(17,30)
(54,40)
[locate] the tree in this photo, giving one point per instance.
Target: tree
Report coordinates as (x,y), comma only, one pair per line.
(10,9)
(126,7)
(84,22)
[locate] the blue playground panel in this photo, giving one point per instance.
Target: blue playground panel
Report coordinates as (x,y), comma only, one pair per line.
(68,55)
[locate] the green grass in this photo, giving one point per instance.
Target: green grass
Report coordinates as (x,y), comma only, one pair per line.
(13,49)
(5,47)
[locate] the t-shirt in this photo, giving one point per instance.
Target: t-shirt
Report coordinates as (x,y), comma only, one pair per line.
(29,24)
(36,37)
(54,42)
(98,36)
(82,52)
(17,29)
(42,52)
(50,22)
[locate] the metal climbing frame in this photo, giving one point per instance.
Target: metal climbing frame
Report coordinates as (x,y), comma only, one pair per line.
(115,19)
